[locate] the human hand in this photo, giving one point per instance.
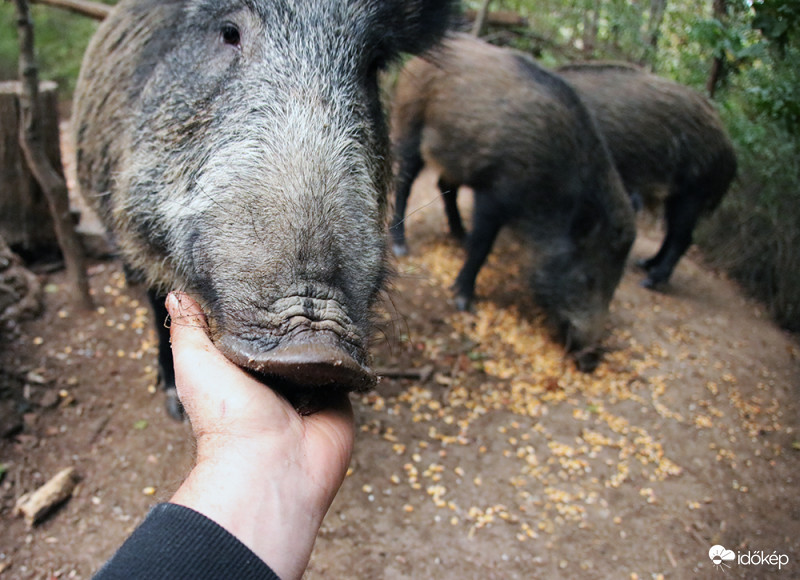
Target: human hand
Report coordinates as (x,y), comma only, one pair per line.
(263,472)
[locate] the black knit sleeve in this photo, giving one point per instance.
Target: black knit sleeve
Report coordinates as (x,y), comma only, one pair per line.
(175,542)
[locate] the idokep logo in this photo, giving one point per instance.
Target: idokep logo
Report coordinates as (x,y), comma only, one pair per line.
(721,557)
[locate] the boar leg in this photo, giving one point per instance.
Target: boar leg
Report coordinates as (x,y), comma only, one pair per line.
(487,219)
(166,368)
(410,164)
(681,214)
(449,195)
(637,201)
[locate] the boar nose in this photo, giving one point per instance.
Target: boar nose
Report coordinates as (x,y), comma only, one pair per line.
(587,359)
(308,361)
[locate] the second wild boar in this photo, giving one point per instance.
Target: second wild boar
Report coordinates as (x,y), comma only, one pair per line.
(520,137)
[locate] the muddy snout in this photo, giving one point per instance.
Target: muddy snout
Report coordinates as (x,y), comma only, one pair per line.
(309,361)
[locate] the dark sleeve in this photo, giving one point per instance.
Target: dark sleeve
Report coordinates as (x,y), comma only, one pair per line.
(175,542)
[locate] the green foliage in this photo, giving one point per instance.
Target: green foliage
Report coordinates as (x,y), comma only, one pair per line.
(60,37)
(777,20)
(8,42)
(578,28)
(755,235)
(732,43)
(775,91)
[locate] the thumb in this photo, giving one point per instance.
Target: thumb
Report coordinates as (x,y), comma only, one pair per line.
(189,338)
(196,358)
(216,394)
(197,362)
(188,320)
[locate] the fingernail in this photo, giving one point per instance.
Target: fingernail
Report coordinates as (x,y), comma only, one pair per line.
(172,303)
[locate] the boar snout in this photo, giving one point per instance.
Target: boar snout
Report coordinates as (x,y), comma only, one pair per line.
(299,342)
(587,359)
(582,335)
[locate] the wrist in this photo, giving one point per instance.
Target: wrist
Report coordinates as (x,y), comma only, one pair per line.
(270,515)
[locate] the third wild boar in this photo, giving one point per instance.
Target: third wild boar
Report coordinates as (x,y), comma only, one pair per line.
(669,146)
(237,150)
(519,136)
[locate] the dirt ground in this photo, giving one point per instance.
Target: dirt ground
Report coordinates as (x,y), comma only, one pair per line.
(500,461)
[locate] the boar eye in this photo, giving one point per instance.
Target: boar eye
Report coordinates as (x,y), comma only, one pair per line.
(230,34)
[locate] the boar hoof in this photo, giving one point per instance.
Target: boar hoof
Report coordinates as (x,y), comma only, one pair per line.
(173,404)
(645,264)
(652,284)
(462,303)
(400,250)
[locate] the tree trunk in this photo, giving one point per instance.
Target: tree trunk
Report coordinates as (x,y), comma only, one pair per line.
(718,69)
(657,10)
(25,220)
(715,76)
(591,24)
(53,184)
(480,19)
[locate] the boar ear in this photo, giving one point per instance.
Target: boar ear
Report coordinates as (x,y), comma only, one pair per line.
(424,23)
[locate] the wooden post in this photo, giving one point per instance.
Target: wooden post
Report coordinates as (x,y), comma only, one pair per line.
(53,183)
(25,220)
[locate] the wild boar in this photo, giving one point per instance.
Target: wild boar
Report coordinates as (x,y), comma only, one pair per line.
(238,150)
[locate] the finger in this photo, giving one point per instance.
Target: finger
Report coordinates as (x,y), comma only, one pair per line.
(191,345)
(199,366)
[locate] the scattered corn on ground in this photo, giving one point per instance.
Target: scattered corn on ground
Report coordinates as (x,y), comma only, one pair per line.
(555,478)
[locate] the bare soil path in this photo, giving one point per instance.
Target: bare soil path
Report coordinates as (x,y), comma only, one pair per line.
(504,463)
